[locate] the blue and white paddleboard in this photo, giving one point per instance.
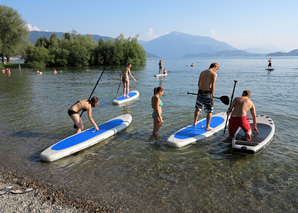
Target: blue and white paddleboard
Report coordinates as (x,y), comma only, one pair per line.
(85,139)
(190,134)
(132,95)
(266,128)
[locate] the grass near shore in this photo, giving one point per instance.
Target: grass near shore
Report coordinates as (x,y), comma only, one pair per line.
(13,65)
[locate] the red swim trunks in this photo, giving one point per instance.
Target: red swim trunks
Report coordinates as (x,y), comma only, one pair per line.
(236,122)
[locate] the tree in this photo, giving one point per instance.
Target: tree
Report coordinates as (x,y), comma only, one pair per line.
(13,33)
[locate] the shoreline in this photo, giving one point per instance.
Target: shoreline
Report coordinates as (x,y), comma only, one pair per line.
(44,197)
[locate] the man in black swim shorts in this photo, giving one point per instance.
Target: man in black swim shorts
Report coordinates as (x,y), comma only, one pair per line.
(206,86)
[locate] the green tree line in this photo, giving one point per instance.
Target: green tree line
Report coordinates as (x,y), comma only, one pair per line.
(81,50)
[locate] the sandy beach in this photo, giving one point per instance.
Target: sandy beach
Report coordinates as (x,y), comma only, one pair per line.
(43,197)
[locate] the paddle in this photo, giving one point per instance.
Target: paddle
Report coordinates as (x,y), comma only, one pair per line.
(224,99)
(118,90)
(235,82)
(74,126)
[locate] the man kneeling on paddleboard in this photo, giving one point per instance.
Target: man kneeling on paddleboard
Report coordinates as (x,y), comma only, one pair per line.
(240,106)
(84,105)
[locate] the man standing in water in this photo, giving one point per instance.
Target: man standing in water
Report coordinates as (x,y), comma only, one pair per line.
(125,80)
(240,106)
(205,96)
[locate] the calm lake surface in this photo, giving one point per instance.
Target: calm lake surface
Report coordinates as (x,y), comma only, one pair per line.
(128,172)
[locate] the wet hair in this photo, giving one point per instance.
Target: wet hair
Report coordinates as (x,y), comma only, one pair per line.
(157,90)
(214,65)
(128,64)
(93,101)
(246,93)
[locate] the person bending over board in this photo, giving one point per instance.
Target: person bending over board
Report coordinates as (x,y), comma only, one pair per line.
(125,80)
(84,105)
(156,104)
(240,106)
(205,96)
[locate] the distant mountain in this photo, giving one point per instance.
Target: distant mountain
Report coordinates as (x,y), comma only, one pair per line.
(291,53)
(34,35)
(178,44)
(224,53)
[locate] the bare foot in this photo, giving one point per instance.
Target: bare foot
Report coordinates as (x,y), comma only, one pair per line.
(209,128)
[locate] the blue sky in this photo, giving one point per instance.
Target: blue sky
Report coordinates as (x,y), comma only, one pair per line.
(242,24)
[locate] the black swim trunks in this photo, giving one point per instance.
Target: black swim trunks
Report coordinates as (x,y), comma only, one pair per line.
(204,99)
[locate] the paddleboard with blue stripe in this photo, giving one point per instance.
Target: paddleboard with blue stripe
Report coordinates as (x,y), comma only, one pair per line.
(85,139)
(132,95)
(190,134)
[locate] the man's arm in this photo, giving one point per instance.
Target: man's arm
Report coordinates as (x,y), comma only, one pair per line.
(254,118)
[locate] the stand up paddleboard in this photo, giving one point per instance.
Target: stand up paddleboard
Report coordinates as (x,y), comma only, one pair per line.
(190,134)
(132,95)
(160,75)
(266,128)
(85,139)
(270,69)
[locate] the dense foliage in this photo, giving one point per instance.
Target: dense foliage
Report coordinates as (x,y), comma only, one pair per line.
(81,50)
(13,33)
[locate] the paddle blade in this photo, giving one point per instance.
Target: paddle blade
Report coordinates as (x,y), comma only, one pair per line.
(225,100)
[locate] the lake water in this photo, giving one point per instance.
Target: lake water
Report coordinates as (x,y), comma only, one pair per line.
(128,172)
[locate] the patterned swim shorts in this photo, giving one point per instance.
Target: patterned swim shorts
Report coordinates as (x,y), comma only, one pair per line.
(204,99)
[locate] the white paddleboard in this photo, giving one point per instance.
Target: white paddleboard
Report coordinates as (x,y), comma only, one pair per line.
(132,95)
(85,139)
(190,134)
(160,75)
(266,128)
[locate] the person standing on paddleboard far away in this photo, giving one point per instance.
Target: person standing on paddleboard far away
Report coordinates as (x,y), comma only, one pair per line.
(84,105)
(156,104)
(160,64)
(205,96)
(269,64)
(125,80)
(240,106)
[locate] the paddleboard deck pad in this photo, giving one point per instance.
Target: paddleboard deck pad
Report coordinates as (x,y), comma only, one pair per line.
(266,128)
(190,134)
(85,139)
(132,95)
(160,75)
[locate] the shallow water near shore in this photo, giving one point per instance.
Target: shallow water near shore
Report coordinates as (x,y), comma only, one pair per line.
(128,172)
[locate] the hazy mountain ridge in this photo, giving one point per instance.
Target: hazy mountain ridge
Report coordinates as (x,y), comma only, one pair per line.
(176,44)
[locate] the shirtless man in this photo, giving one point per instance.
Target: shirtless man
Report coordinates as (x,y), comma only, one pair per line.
(240,106)
(205,96)
(125,80)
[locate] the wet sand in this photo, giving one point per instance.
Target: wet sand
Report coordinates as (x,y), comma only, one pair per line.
(43,198)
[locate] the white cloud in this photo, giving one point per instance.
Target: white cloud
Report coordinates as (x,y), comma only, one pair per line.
(32,28)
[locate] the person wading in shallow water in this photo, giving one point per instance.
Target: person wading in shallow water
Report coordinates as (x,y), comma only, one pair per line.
(156,104)
(85,105)
(125,80)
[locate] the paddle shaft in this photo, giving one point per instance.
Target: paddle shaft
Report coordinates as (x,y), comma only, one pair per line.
(190,93)
(94,88)
(118,89)
(235,82)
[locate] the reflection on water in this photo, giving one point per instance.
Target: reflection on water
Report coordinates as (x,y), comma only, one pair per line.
(128,171)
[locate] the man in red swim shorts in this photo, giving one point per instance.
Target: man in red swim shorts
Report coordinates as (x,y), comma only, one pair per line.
(239,107)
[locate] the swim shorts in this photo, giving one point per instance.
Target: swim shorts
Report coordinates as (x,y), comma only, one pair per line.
(204,99)
(236,122)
